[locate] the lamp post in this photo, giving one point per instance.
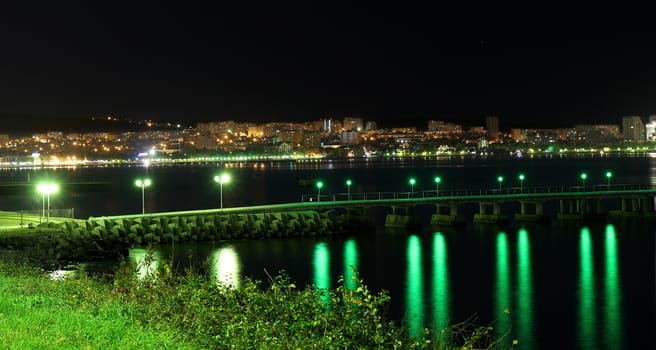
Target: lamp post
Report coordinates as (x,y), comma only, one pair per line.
(319,186)
(583,177)
(609,175)
(521,183)
(143,183)
(46,189)
(348,188)
(500,180)
(222,179)
(437,185)
(412,185)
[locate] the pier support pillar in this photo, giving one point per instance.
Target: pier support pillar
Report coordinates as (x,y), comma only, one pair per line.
(482,208)
(581,209)
(648,205)
(536,216)
(636,207)
(450,218)
(484,216)
(402,217)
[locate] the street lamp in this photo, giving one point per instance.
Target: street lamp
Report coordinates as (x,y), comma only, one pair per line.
(46,189)
(412,184)
(222,179)
(348,188)
(521,183)
(143,184)
(583,177)
(319,185)
(437,185)
(500,180)
(609,174)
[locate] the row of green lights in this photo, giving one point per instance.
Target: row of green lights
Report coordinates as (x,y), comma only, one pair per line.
(608,174)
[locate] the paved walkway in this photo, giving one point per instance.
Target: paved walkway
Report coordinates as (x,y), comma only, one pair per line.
(10,220)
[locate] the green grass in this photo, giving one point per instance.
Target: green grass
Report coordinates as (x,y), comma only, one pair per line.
(164,310)
(38,313)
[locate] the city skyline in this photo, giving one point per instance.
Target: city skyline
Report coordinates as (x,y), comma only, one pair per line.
(531,67)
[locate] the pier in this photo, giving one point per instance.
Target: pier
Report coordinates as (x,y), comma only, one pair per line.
(574,203)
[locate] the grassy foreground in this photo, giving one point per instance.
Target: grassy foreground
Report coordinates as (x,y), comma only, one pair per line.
(168,311)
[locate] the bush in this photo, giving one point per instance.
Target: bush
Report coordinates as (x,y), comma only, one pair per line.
(278,315)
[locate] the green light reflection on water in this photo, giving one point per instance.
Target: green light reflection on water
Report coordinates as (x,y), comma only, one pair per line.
(441,306)
(612,305)
(322,270)
(502,290)
(414,292)
(525,328)
(586,293)
(350,264)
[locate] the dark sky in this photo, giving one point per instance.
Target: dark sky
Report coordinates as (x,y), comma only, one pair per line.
(391,63)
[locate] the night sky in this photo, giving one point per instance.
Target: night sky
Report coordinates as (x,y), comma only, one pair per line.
(396,64)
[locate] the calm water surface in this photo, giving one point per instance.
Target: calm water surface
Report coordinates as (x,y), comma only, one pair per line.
(550,286)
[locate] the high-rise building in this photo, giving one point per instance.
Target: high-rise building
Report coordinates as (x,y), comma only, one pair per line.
(518,135)
(440,126)
(650,128)
(353,124)
(492,123)
(350,138)
(327,125)
(633,129)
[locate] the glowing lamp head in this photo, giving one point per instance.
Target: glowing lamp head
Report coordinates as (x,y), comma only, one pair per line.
(609,174)
(521,177)
(142,183)
(438,179)
(222,179)
(412,181)
(47,188)
(319,184)
(348,183)
(584,176)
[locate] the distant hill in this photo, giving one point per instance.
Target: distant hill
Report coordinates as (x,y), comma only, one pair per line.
(19,125)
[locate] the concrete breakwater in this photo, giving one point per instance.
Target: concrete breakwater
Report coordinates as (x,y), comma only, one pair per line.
(78,240)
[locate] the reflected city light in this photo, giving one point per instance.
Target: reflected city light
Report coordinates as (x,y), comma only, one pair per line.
(525,330)
(612,298)
(351,264)
(322,270)
(502,290)
(146,265)
(441,307)
(226,267)
(587,318)
(414,289)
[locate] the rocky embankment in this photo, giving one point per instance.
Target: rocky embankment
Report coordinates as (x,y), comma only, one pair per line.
(99,238)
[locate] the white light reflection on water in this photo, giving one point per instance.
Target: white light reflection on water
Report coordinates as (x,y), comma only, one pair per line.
(226,267)
(147,264)
(60,275)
